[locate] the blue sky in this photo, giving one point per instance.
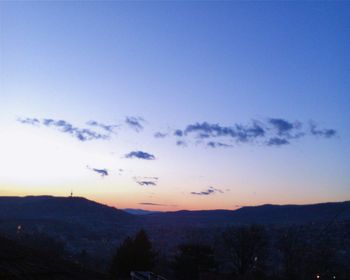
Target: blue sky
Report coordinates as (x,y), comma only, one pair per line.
(213,70)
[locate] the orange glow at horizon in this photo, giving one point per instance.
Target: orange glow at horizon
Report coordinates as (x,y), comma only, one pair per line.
(166,202)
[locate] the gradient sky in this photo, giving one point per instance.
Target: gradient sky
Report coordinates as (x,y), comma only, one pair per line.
(258,91)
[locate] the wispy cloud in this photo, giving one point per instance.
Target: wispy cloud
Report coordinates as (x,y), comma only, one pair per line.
(178,132)
(32,121)
(160,135)
(237,132)
(140,155)
(327,133)
(135,123)
(287,129)
(209,191)
(146,181)
(181,143)
(106,127)
(157,204)
(214,144)
(269,132)
(152,204)
(282,126)
(103,172)
(275,141)
(82,134)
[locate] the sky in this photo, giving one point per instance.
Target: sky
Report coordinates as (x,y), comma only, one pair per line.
(176,105)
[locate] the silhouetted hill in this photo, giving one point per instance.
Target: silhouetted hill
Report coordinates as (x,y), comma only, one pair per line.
(21,263)
(264,214)
(86,211)
(139,212)
(59,208)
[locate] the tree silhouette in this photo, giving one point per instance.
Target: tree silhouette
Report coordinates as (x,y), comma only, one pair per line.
(247,250)
(144,258)
(292,248)
(133,254)
(191,260)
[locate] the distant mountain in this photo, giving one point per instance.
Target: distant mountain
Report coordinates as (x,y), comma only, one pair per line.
(139,212)
(264,214)
(59,208)
(84,211)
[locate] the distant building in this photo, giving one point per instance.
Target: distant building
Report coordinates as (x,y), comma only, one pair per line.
(145,275)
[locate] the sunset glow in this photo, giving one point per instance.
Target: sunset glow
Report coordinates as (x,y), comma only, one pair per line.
(170,106)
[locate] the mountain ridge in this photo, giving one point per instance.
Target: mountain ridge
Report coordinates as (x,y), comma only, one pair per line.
(263,214)
(82,209)
(55,207)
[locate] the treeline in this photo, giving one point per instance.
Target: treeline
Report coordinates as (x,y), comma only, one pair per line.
(242,253)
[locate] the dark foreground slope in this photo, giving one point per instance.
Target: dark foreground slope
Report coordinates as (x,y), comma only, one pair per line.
(21,263)
(265,214)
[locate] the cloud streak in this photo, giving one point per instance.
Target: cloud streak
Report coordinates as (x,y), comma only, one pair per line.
(267,132)
(327,133)
(136,123)
(275,141)
(140,155)
(103,172)
(209,191)
(152,204)
(213,144)
(146,181)
(157,204)
(82,134)
(108,128)
(32,121)
(160,135)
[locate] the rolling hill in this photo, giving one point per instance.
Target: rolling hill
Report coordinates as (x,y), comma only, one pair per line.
(264,214)
(84,210)
(59,208)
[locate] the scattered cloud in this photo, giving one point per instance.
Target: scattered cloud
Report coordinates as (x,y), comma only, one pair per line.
(135,123)
(269,132)
(146,181)
(213,144)
(237,132)
(108,128)
(160,135)
(32,121)
(209,191)
(140,155)
(287,129)
(282,126)
(82,134)
(275,141)
(103,172)
(157,204)
(152,204)
(327,133)
(178,132)
(181,143)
